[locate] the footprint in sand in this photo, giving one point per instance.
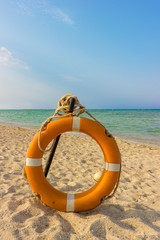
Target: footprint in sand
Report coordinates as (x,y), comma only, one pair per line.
(13,205)
(41,224)
(97,229)
(22,216)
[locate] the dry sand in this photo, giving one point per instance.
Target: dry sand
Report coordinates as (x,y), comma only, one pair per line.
(132,213)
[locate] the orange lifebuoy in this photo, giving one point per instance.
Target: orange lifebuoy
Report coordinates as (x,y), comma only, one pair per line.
(80,201)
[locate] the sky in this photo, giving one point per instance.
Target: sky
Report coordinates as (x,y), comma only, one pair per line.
(105,52)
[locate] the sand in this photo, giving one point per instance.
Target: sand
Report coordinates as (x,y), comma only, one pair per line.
(132,213)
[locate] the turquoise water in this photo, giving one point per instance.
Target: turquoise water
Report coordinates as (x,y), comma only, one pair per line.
(136,125)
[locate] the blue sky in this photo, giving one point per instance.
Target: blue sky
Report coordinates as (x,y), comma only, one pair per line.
(107,53)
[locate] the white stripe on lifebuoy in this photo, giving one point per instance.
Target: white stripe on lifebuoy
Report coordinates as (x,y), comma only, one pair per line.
(70,203)
(76,124)
(113,167)
(33,162)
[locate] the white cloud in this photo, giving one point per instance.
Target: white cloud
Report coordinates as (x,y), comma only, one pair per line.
(31,7)
(24,9)
(8,60)
(71,79)
(60,15)
(20,91)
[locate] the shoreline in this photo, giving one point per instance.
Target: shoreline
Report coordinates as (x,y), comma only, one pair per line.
(122,138)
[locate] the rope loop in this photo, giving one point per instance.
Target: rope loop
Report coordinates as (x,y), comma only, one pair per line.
(63,111)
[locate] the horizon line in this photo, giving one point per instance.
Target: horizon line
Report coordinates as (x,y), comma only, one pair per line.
(86,109)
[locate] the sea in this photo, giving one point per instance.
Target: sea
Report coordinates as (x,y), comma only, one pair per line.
(142,126)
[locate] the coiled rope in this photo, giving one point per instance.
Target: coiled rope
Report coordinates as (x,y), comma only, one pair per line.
(63,111)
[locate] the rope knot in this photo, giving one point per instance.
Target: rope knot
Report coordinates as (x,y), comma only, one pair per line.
(64,102)
(63,106)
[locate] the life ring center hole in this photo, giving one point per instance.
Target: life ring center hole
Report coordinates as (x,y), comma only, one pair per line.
(77,159)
